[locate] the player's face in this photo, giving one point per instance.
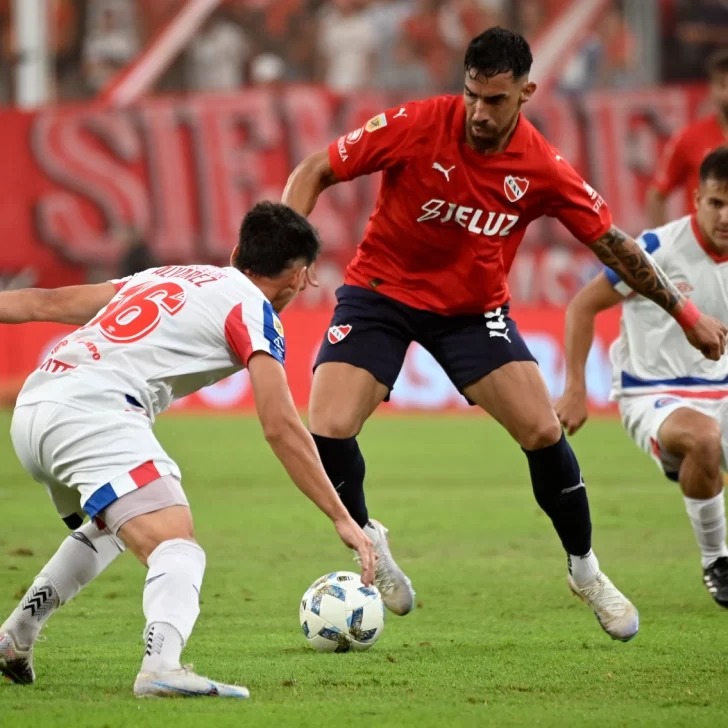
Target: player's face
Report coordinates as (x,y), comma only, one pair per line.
(492,106)
(711,203)
(292,282)
(719,91)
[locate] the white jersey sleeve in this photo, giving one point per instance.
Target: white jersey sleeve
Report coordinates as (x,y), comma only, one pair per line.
(252,326)
(650,243)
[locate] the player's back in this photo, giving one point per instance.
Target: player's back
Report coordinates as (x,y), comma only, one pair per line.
(168,332)
(651,353)
(448,218)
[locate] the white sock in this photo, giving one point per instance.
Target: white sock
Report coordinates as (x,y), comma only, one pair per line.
(79,560)
(171,602)
(708,519)
(583,569)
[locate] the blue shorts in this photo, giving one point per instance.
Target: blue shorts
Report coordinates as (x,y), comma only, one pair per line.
(373,332)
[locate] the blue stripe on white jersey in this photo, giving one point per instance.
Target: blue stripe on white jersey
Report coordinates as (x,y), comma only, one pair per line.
(276,340)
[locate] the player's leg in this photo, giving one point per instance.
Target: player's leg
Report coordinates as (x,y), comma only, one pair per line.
(689,443)
(488,361)
(80,559)
(357,366)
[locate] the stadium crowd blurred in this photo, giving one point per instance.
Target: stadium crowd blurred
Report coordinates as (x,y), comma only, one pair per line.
(413,46)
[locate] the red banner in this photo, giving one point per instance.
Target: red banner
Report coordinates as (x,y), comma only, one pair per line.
(422,385)
(183,170)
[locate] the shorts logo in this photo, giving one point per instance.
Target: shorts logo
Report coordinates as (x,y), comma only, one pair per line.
(378,122)
(354,136)
(664,401)
(338,333)
(515,187)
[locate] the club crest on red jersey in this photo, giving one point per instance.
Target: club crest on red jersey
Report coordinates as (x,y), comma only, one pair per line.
(338,333)
(515,187)
(354,136)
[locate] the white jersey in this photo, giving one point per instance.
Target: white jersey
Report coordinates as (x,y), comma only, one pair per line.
(652,355)
(167,333)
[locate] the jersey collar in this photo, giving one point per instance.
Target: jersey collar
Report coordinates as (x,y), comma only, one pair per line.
(715,257)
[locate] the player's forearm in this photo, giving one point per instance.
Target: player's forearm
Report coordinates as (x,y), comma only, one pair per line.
(577,344)
(24,306)
(638,270)
(296,450)
(307,181)
(656,207)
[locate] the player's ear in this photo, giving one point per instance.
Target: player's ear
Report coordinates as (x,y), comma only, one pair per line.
(234,255)
(528,90)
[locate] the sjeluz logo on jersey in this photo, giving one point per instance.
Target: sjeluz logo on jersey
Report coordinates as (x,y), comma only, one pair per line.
(664,401)
(515,187)
(338,333)
(475,221)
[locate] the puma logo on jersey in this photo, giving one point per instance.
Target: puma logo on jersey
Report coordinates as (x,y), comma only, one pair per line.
(401,112)
(475,221)
(440,168)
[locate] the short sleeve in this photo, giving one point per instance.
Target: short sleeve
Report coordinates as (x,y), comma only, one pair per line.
(254,326)
(671,170)
(650,243)
(381,143)
(576,204)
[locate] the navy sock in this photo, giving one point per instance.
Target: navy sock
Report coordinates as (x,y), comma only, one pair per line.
(560,491)
(344,464)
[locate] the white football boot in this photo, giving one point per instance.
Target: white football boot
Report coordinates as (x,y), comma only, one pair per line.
(396,589)
(15,664)
(183,683)
(614,612)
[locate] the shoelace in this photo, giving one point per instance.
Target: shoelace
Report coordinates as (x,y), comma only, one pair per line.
(607,596)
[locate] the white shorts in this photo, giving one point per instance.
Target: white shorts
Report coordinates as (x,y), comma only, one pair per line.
(643,415)
(87,459)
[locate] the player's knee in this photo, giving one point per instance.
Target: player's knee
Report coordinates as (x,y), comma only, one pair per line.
(541,434)
(334,420)
(705,445)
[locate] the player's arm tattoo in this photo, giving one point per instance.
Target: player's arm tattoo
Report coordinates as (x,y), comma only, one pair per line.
(637,269)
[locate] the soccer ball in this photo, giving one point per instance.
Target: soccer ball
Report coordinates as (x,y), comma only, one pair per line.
(338,613)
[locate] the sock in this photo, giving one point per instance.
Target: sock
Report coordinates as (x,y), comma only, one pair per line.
(708,519)
(171,602)
(583,569)
(79,560)
(344,464)
(561,493)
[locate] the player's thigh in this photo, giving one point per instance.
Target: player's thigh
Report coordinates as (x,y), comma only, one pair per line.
(102,454)
(688,430)
(489,362)
(27,430)
(359,361)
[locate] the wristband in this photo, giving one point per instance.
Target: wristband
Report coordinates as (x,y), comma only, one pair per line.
(688,315)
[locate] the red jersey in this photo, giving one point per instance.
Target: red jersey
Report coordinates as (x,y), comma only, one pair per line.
(684,154)
(448,220)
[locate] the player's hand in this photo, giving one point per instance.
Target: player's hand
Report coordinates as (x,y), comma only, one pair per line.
(353,537)
(310,279)
(571,409)
(709,336)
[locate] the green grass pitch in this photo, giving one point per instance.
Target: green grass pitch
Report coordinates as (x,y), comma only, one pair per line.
(497,638)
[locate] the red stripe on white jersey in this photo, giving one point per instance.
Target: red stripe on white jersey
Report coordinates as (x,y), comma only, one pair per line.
(144,474)
(237,335)
(697,393)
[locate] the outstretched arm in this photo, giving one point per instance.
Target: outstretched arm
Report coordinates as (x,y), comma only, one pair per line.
(69,305)
(638,270)
(307,181)
(598,295)
(295,448)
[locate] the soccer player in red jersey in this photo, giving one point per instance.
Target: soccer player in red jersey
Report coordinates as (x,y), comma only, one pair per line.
(680,164)
(463,176)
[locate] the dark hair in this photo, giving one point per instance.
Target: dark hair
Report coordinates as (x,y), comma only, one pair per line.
(715,166)
(497,51)
(272,237)
(717,62)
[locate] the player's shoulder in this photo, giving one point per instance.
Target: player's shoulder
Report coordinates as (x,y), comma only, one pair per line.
(666,237)
(697,130)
